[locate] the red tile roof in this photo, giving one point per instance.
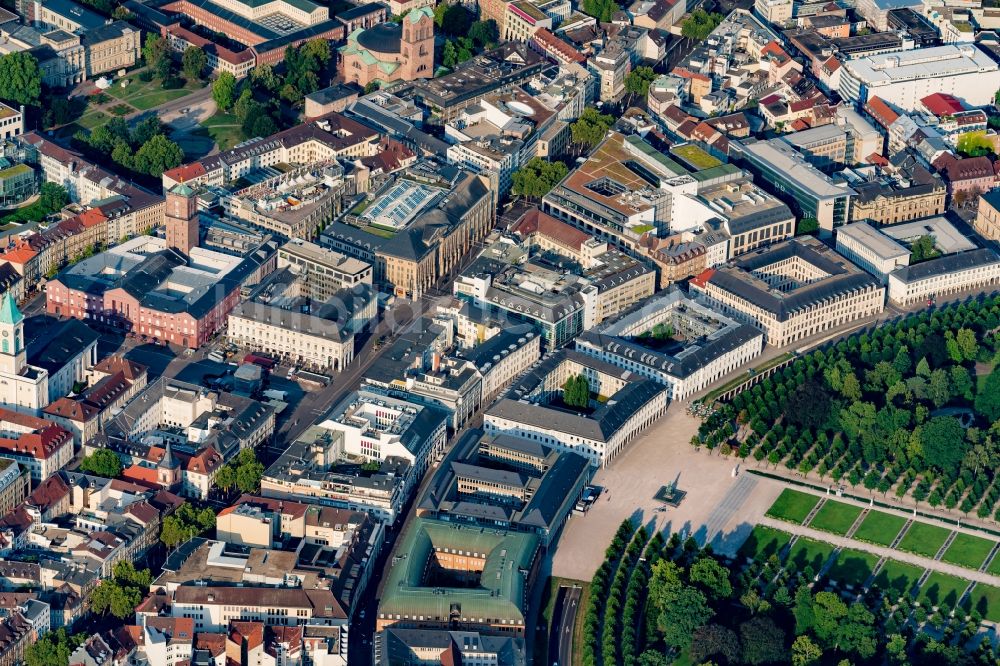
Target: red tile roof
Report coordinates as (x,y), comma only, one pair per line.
(881,112)
(112,364)
(942,104)
(44,439)
(74,410)
(549,42)
(535,221)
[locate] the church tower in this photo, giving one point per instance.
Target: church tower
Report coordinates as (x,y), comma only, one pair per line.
(13,357)
(181,219)
(168,470)
(417,44)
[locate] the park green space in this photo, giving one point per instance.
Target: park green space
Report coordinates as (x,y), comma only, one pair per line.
(835,517)
(807,552)
(793,506)
(986,600)
(853,567)
(224,129)
(924,539)
(764,542)
(942,590)
(879,528)
(898,576)
(968,551)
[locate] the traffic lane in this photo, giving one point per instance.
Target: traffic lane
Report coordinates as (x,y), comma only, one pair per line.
(570,607)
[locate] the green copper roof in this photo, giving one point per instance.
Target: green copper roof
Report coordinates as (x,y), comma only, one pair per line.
(502,590)
(183,190)
(416,14)
(9,314)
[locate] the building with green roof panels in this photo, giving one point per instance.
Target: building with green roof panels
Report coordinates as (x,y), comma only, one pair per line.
(457,577)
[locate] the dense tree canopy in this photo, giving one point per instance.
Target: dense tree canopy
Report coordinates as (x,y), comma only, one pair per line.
(186,523)
(193,62)
(102,462)
(576,392)
(120,594)
(20,78)
(53,649)
(638,80)
(589,129)
(537,177)
(602,10)
(700,24)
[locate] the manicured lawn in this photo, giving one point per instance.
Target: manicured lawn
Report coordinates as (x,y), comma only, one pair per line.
(994,566)
(809,553)
(879,528)
(986,600)
(836,517)
(898,576)
(154,99)
(92,120)
(792,506)
(968,551)
(226,136)
(942,590)
(853,567)
(924,539)
(764,542)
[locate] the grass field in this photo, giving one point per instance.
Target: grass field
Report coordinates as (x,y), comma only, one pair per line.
(853,567)
(764,542)
(792,506)
(942,590)
(92,120)
(898,576)
(836,517)
(225,130)
(809,553)
(879,528)
(156,98)
(986,600)
(968,551)
(924,539)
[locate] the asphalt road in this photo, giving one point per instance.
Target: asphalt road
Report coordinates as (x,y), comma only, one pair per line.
(561,642)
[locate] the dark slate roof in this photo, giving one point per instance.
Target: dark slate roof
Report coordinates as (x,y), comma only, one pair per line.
(87,18)
(361,10)
(694,359)
(105,32)
(382,38)
(66,341)
(736,279)
(950,263)
(516,335)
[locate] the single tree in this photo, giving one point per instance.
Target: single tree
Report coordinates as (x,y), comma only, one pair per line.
(193,62)
(102,462)
(20,78)
(224,91)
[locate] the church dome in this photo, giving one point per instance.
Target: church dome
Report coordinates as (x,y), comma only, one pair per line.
(382,38)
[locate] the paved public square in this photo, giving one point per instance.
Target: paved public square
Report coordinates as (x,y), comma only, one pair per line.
(718,507)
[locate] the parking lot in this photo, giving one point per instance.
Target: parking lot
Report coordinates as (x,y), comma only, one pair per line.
(718,507)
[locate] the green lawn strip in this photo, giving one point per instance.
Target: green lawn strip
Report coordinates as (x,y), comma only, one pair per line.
(836,517)
(793,506)
(764,542)
(221,119)
(994,565)
(154,99)
(898,576)
(924,539)
(225,136)
(879,528)
(92,120)
(986,600)
(809,553)
(968,551)
(136,87)
(852,567)
(942,590)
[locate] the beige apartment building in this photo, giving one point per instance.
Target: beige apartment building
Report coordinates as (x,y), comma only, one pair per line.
(111,47)
(792,290)
(987,222)
(324,272)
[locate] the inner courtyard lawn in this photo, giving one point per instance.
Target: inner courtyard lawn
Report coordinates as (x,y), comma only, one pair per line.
(793,506)
(924,539)
(879,528)
(942,590)
(986,600)
(807,552)
(764,542)
(898,576)
(968,551)
(853,567)
(836,517)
